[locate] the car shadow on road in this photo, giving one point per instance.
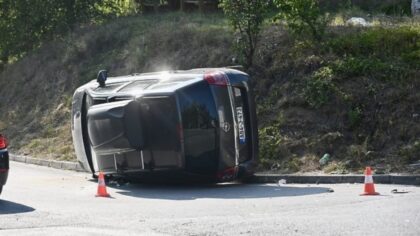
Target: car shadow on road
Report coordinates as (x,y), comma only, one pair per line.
(222,191)
(7,207)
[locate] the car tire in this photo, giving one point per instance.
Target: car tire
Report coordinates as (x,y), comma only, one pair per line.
(245,178)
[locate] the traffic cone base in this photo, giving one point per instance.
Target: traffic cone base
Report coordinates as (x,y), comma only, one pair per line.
(369,194)
(369,190)
(101,186)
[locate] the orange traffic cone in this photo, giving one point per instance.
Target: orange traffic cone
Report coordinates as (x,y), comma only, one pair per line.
(369,185)
(101,186)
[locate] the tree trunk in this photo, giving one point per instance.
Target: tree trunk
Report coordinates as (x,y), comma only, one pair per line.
(182,5)
(200,5)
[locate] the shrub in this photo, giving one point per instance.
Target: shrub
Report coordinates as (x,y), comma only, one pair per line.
(303,16)
(397,8)
(410,153)
(319,88)
(269,142)
(377,42)
(381,53)
(355,116)
(371,67)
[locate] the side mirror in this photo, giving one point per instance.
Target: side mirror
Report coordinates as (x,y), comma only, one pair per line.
(102,76)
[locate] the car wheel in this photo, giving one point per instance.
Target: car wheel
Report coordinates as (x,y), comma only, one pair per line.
(245,178)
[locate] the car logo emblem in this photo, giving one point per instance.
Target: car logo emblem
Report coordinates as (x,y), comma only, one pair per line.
(226,127)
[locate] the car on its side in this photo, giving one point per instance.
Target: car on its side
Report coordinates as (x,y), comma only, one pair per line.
(4,162)
(198,123)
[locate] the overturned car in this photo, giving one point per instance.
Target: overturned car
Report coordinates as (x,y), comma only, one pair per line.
(199,124)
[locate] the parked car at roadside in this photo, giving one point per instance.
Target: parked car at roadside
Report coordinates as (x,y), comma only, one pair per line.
(4,162)
(197,123)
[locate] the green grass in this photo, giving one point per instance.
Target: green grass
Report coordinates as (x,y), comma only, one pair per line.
(377,42)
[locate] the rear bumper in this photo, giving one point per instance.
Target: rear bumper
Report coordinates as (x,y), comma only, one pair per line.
(4,166)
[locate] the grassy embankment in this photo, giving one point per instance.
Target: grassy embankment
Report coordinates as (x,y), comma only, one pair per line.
(354,96)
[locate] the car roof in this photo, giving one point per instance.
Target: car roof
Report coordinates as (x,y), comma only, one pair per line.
(155,82)
(187,74)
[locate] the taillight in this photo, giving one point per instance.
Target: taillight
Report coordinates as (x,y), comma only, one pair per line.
(3,142)
(227,174)
(216,78)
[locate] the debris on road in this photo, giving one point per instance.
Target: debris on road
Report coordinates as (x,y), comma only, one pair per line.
(396,191)
(282,182)
(330,190)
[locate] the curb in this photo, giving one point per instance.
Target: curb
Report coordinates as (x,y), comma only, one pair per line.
(64,165)
(335,179)
(257,178)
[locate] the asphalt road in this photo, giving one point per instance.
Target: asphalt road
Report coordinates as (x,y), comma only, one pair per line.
(45,201)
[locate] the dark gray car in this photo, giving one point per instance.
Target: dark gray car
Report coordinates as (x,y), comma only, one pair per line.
(198,123)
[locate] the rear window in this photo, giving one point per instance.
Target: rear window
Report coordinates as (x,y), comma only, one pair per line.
(198,109)
(199,121)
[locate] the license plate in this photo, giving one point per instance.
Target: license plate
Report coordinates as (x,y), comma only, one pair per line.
(241,125)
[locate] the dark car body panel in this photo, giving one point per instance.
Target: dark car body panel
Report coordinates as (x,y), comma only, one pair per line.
(4,166)
(167,122)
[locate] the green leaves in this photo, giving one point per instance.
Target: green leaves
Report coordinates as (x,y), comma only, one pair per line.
(246,18)
(319,87)
(303,16)
(270,139)
(24,24)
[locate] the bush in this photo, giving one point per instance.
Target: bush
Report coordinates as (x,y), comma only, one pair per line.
(412,58)
(378,42)
(381,53)
(319,88)
(410,153)
(370,67)
(303,16)
(355,117)
(388,7)
(269,142)
(397,8)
